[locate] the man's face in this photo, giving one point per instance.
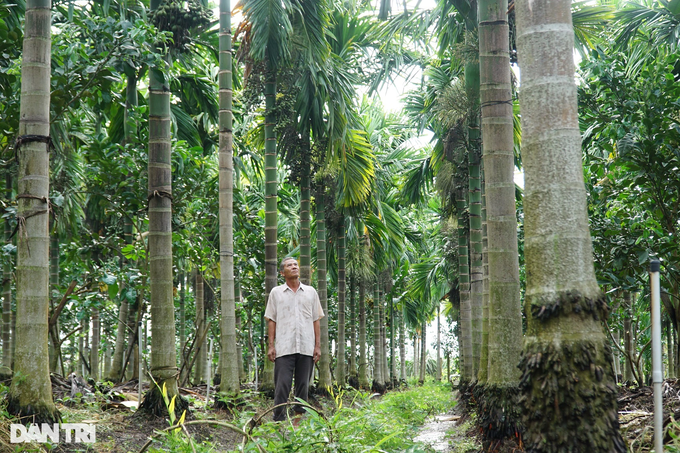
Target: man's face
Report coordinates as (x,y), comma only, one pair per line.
(290,269)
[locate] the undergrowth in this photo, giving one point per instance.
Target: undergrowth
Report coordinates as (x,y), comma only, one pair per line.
(349,422)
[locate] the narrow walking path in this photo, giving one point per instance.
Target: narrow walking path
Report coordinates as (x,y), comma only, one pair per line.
(434,432)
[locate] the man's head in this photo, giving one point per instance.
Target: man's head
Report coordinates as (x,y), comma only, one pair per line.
(289,267)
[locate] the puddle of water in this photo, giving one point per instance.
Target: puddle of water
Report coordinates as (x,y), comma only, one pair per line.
(433,433)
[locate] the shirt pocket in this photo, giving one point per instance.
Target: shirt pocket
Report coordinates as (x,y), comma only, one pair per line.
(306,309)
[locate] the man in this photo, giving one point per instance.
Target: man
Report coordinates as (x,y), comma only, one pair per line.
(293,311)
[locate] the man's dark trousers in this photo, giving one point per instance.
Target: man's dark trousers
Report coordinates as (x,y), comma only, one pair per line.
(285,367)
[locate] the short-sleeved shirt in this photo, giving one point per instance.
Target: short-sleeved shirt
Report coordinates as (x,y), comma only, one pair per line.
(294,314)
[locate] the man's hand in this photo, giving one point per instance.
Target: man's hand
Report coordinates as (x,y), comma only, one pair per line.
(317,353)
(271,353)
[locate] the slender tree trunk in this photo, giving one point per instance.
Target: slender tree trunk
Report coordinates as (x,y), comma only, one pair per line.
(182,317)
(229,351)
(393,355)
(53,338)
(353,376)
(7,291)
(96,340)
(628,338)
(30,394)
(271,193)
(402,348)
(464,284)
(483,374)
(423,353)
(340,370)
(324,384)
(200,348)
(363,357)
(383,333)
(305,230)
(163,354)
(416,359)
(378,367)
(563,305)
(438,375)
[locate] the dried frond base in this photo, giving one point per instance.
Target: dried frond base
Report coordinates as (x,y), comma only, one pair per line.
(568,398)
(498,414)
(153,404)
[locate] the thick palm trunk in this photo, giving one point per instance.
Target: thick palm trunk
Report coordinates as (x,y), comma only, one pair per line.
(464,285)
(341,370)
(378,367)
(7,292)
(270,216)
(499,416)
(567,381)
(324,385)
(383,333)
(363,357)
(163,354)
(30,394)
(229,351)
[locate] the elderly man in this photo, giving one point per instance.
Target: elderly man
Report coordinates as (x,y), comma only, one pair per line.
(293,311)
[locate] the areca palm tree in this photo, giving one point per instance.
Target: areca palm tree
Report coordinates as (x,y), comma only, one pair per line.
(564,305)
(30,394)
(498,412)
(229,383)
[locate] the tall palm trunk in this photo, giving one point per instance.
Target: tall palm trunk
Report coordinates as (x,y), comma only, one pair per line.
(378,367)
(305,230)
(201,340)
(383,333)
(96,340)
(114,372)
(341,371)
(402,347)
(438,375)
(464,285)
(628,337)
(393,356)
(182,317)
(499,415)
(229,351)
(30,394)
(423,353)
(54,344)
(270,216)
(324,385)
(353,377)
(483,373)
(7,292)
(363,357)
(567,381)
(162,308)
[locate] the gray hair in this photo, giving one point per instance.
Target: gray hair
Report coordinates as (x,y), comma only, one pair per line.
(283,261)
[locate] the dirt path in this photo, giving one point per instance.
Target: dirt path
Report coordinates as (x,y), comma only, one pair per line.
(434,432)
